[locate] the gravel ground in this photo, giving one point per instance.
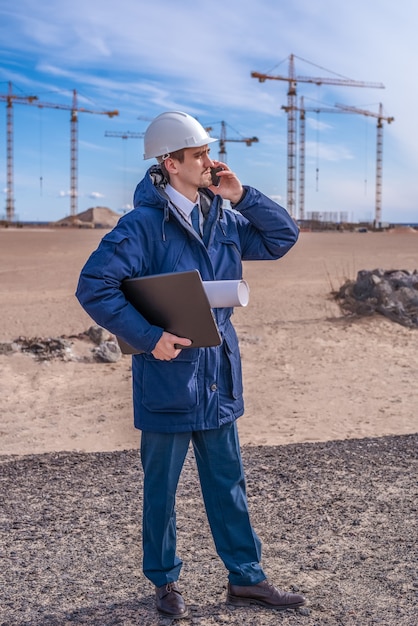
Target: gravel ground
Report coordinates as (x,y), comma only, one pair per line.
(337,521)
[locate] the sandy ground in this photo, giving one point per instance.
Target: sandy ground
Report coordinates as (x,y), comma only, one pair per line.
(309,373)
(329,444)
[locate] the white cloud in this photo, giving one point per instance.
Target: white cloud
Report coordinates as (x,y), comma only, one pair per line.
(278,199)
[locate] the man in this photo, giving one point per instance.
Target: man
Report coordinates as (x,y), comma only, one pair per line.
(191,394)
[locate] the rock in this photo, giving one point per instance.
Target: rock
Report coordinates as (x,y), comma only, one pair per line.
(108,352)
(98,335)
(392,293)
(305,611)
(6,347)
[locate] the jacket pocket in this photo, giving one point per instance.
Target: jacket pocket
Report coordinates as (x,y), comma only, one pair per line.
(171,386)
(232,368)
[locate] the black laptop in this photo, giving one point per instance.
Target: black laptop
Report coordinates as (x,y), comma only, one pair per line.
(176,302)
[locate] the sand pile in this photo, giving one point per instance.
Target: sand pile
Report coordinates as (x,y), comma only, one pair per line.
(95,217)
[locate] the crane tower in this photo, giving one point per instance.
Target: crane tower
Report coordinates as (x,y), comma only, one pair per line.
(10,98)
(302,116)
(379,152)
(75,110)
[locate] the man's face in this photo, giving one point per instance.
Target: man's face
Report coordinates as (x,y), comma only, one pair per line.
(195,169)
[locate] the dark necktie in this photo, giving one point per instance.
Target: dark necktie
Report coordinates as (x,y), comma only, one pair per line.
(196,219)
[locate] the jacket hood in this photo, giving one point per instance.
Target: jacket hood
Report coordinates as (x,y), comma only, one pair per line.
(150,190)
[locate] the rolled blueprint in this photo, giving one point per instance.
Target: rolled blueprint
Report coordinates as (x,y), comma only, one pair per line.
(226,293)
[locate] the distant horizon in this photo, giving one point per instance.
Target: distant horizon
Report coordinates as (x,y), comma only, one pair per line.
(312,217)
(16,222)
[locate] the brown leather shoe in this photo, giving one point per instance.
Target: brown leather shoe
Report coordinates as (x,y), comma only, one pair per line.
(264,594)
(170,601)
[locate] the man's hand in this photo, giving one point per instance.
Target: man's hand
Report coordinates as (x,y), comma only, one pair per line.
(230,186)
(165,350)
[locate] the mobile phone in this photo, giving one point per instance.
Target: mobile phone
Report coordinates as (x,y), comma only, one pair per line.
(214,173)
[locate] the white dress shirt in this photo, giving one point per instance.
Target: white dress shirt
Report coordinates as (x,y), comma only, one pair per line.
(184,205)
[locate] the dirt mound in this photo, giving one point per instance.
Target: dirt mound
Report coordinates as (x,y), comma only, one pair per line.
(403,229)
(95,217)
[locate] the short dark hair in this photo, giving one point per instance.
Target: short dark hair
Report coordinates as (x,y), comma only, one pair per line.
(178,155)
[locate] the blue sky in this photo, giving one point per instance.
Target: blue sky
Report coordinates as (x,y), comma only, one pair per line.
(146,57)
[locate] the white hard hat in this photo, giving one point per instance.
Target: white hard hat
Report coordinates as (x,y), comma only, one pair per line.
(173,131)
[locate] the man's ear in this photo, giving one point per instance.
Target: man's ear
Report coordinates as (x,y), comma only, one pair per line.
(170,165)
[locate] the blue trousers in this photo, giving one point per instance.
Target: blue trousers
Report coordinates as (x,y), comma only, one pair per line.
(222,481)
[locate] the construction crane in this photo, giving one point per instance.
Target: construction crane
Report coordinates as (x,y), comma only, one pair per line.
(379,152)
(10,99)
(292,80)
(124,135)
(223,139)
(302,118)
(74,109)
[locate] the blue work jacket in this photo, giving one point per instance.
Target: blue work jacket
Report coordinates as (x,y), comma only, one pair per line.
(202,388)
